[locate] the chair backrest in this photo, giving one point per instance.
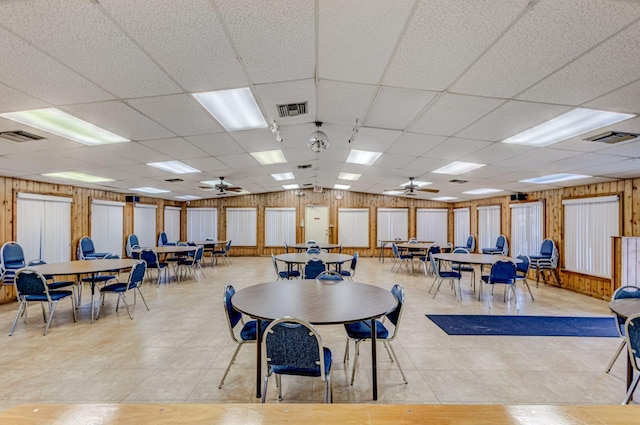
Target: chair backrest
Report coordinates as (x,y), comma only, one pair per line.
(632,335)
(275,264)
(85,247)
(11,256)
(500,242)
(523,267)
(434,249)
(471,243)
(626,292)
(132,243)
(413,240)
(460,250)
(503,272)
(198,255)
(149,256)
(354,261)
(434,264)
(111,256)
(395,315)
(329,275)
(394,248)
(228,245)
(295,345)
(162,239)
(546,249)
(286,247)
(233,316)
(311,241)
(314,267)
(313,250)
(30,282)
(136,276)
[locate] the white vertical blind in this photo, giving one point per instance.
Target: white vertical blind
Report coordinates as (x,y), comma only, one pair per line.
(589,224)
(144,224)
(202,223)
(353,227)
(461,226)
(432,225)
(107,226)
(526,228)
(241,226)
(172,223)
(279,226)
(44,227)
(631,261)
(393,223)
(488,226)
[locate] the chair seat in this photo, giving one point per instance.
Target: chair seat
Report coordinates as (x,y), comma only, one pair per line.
(288,370)
(285,274)
(61,284)
(540,257)
(485,279)
(116,287)
(95,255)
(362,330)
(157,265)
(55,296)
(462,268)
(447,274)
(345,273)
(98,279)
(406,256)
(491,250)
(248,332)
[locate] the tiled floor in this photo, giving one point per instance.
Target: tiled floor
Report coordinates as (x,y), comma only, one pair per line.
(178,351)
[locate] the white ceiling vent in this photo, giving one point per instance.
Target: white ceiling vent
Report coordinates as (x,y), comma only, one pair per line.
(19,136)
(612,137)
(292,109)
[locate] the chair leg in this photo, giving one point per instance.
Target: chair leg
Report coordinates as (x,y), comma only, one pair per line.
(264,388)
(393,352)
(279,385)
(346,352)
(328,391)
(529,288)
(233,359)
(15,322)
(100,304)
(355,361)
(141,296)
(438,288)
(121,297)
(632,388)
(616,355)
(52,309)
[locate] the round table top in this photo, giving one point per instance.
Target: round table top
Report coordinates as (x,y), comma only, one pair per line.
(320,245)
(209,242)
(167,249)
(420,245)
(303,257)
(474,258)
(85,266)
(319,303)
(625,307)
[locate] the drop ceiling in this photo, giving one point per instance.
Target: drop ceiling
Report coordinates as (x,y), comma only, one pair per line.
(429,82)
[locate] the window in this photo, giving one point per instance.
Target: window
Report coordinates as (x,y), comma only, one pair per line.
(589,224)
(393,223)
(172,223)
(202,223)
(488,226)
(432,225)
(279,226)
(144,224)
(526,228)
(107,226)
(353,227)
(461,226)
(241,226)
(44,227)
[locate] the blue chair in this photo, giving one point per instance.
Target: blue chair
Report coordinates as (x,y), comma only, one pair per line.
(622,292)
(136,278)
(471,244)
(361,331)
(86,250)
(192,263)
(150,257)
(283,274)
(51,282)
(349,274)
(312,242)
(101,277)
(32,286)
(433,249)
(163,240)
(330,275)
(522,272)
(632,332)
(501,248)
(442,275)
(293,347)
(247,332)
(464,268)
(399,258)
(313,268)
(502,273)
(11,260)
(313,250)
(223,253)
(547,260)
(132,243)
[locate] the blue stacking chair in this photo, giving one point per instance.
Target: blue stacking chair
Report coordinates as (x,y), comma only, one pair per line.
(470,245)
(399,258)
(502,273)
(193,263)
(163,240)
(361,331)
(150,257)
(51,282)
(547,259)
(464,268)
(136,278)
(32,286)
(293,347)
(224,253)
(622,292)
(313,250)
(501,248)
(314,267)
(349,274)
(441,275)
(522,272)
(132,243)
(11,260)
(283,274)
(329,275)
(632,337)
(86,250)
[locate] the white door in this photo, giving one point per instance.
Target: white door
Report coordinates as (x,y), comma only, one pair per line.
(316,223)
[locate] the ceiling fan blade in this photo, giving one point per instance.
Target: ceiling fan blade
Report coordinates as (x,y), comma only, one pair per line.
(233,189)
(429,190)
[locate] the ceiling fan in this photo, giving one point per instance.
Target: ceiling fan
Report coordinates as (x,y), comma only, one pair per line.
(412,189)
(223,188)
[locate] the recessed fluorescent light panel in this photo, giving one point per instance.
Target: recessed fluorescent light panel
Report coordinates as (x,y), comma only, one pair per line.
(341,186)
(60,123)
(458,167)
(76,176)
(283,176)
(554,178)
(566,126)
(444,198)
(269,157)
(175,167)
(349,176)
(235,109)
(393,192)
(149,190)
(363,157)
(416,183)
(291,186)
(188,197)
(482,191)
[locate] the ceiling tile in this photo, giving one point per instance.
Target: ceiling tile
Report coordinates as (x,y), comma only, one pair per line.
(206,164)
(415,144)
(630,149)
(373,139)
(238,161)
(256,140)
(134,151)
(269,96)
(619,169)
(396,108)
(12,100)
(388,160)
(216,144)
(89,155)
(625,99)
(454,148)
(175,148)
(539,158)
(342,103)
(497,153)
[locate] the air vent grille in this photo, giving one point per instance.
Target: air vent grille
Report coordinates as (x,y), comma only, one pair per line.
(292,109)
(176,180)
(458,181)
(304,167)
(612,137)
(307,184)
(19,136)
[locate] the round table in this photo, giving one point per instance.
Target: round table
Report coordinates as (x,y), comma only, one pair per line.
(321,245)
(317,302)
(625,307)
(303,258)
(167,249)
